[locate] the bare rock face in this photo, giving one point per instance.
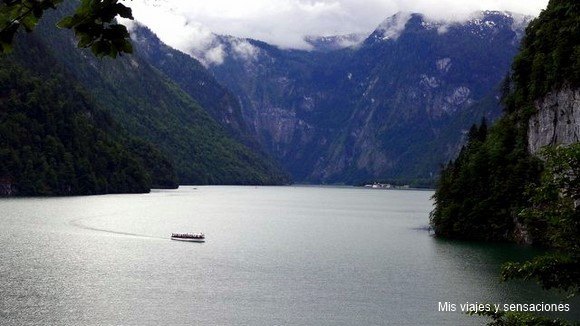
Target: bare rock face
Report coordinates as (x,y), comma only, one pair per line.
(557,120)
(395,106)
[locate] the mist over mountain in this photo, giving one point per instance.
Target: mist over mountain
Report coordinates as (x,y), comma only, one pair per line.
(200,145)
(393,104)
(396,105)
(335,42)
(194,79)
(188,25)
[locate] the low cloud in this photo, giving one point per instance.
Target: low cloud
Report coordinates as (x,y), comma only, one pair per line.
(189,25)
(244,50)
(394,26)
(180,32)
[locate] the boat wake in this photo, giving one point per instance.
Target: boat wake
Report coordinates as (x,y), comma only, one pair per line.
(78,223)
(425,228)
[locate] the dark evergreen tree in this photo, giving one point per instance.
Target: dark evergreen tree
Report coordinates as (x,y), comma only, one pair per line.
(55,141)
(496,185)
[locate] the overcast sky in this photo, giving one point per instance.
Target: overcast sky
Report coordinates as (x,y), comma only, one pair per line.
(188,24)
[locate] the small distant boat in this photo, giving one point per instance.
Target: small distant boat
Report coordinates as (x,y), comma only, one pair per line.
(190,237)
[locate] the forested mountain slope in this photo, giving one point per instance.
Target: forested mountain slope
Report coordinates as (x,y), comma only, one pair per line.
(194,79)
(486,192)
(55,140)
(152,107)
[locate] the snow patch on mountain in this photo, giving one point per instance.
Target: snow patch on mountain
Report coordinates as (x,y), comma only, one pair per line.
(443,65)
(481,23)
(459,96)
(429,81)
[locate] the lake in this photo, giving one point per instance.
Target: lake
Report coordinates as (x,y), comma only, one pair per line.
(273,256)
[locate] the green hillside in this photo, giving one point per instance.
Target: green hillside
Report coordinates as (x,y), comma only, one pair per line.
(151,107)
(54,140)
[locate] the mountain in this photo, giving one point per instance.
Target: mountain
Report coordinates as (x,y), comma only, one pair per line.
(335,42)
(499,188)
(55,140)
(194,79)
(519,181)
(395,106)
(152,107)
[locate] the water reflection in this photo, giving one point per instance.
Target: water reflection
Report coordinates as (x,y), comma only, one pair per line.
(480,263)
(273,255)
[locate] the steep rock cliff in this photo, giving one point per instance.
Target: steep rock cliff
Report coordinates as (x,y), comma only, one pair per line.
(395,106)
(556,121)
(499,176)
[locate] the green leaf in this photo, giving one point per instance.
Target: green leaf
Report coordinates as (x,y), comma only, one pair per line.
(66,22)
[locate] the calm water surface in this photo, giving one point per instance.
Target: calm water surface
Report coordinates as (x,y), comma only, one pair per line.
(273,256)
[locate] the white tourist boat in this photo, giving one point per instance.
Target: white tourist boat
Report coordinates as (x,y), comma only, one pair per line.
(189,237)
